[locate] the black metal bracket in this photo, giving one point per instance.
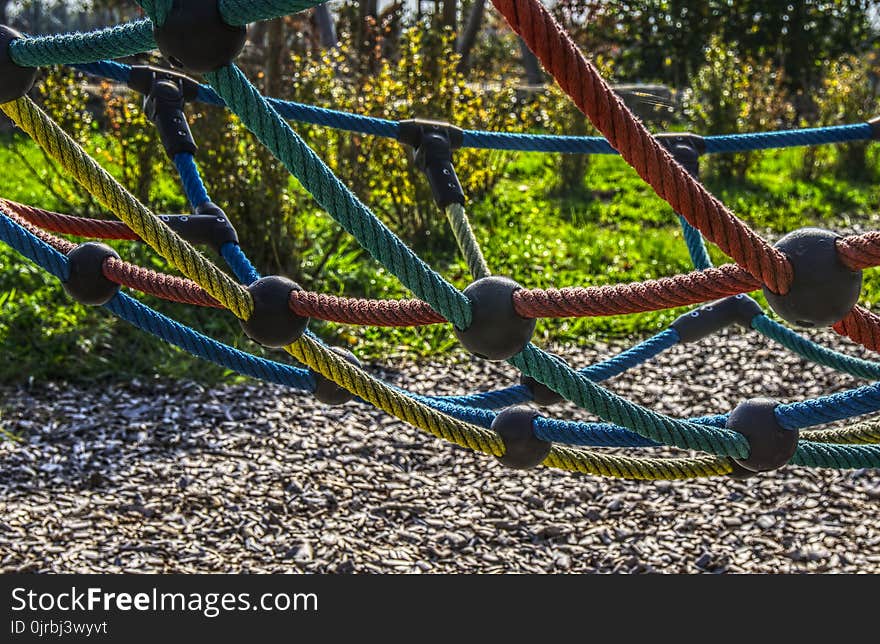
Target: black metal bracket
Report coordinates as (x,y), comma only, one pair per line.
(165,93)
(711,318)
(686,148)
(209,226)
(433,143)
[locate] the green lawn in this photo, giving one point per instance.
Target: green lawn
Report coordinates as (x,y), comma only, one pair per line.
(612,229)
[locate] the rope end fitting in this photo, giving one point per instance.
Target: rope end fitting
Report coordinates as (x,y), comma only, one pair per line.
(208,227)
(195,37)
(770,445)
(711,318)
(823,289)
(165,93)
(686,148)
(15,80)
(433,143)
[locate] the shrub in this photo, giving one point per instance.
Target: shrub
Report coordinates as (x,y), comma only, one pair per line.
(730,95)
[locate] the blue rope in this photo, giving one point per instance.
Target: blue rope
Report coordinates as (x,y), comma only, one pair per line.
(515,141)
(33,248)
(241,266)
(193,186)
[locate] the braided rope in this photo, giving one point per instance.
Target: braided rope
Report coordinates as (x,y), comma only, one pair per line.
(663,293)
(861,326)
(595,98)
(118,200)
(334,197)
(467,241)
(859,434)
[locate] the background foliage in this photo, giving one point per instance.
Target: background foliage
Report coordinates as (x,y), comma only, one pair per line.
(547,220)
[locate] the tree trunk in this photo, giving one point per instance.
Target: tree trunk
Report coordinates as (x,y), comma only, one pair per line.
(531,64)
(326,28)
(469,36)
(274,55)
(450,14)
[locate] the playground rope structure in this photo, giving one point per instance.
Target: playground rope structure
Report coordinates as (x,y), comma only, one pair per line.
(811,277)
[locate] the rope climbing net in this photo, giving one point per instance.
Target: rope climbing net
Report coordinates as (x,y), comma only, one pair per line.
(811,277)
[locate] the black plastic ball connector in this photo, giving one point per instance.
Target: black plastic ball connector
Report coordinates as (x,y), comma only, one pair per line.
(522,449)
(824,289)
(86,282)
(770,445)
(15,80)
(272,323)
(497,331)
(195,37)
(542,395)
(327,391)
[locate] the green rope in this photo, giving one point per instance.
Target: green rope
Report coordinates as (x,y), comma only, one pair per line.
(467,241)
(842,457)
(579,389)
(334,197)
(236,12)
(114,42)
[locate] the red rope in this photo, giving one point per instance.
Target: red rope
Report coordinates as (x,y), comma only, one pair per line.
(69,225)
(651,295)
(860,251)
(361,311)
(593,96)
(862,326)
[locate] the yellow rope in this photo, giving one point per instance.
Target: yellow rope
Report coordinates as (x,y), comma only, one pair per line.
(118,200)
(644,469)
(328,364)
(198,268)
(866,433)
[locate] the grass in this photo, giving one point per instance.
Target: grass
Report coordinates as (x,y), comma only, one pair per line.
(611,229)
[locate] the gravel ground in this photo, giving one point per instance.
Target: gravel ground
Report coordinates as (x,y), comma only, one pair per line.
(176,477)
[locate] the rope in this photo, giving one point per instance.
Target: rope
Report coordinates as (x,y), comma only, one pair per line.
(467,241)
(193,186)
(859,434)
(68,225)
(651,295)
(693,238)
(860,251)
(557,375)
(64,49)
(512,141)
(813,352)
(861,326)
(333,196)
(592,95)
(114,197)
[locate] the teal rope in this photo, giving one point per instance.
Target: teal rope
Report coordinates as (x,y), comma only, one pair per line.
(557,375)
(841,457)
(236,12)
(333,196)
(696,245)
(114,42)
(814,352)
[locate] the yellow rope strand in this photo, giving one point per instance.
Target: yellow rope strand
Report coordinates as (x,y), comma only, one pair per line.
(866,433)
(643,469)
(198,268)
(118,200)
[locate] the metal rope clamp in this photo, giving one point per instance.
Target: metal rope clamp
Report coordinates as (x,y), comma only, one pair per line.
(433,143)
